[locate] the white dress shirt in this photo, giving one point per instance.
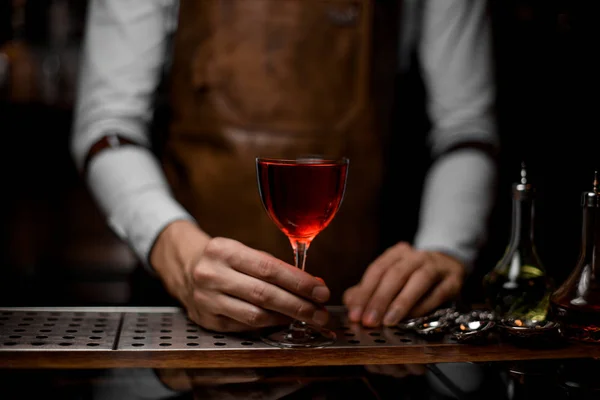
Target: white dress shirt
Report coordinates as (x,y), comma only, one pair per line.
(126,49)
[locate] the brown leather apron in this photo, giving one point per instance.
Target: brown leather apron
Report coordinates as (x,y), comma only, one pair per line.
(283,78)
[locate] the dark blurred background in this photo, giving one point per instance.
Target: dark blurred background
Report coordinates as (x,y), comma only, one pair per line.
(57,249)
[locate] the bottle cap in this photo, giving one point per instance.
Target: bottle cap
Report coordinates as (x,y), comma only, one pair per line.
(523,190)
(590,199)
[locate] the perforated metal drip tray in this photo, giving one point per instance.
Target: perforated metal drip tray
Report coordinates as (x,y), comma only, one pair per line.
(166,338)
(154,329)
(58,329)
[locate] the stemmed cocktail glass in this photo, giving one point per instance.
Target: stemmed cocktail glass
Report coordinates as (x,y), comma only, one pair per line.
(301,196)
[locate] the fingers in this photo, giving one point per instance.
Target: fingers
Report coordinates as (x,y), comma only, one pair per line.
(393,282)
(252,294)
(216,323)
(269,269)
(417,285)
(174,378)
(221,313)
(448,288)
(222,323)
(356,298)
(223,376)
(236,288)
(414,283)
(416,369)
(374,369)
(380,265)
(355,309)
(249,315)
(397,370)
(260,304)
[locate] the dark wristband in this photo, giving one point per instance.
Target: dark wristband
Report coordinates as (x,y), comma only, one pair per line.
(488,149)
(110,141)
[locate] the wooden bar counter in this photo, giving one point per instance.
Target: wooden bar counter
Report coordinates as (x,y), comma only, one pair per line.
(161,337)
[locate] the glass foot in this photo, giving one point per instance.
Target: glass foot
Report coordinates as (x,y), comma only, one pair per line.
(298,335)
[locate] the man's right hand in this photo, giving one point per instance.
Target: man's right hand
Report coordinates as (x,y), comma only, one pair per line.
(226,286)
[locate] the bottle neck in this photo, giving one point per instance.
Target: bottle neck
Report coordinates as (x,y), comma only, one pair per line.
(590,239)
(522,228)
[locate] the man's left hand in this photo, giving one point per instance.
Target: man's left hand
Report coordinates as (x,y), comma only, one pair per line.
(403,282)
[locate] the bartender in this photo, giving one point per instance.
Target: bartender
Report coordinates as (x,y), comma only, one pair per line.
(373,80)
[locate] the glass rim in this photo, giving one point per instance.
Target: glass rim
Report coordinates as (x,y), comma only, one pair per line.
(304,160)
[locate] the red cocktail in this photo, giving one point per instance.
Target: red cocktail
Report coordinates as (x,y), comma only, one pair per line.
(301,196)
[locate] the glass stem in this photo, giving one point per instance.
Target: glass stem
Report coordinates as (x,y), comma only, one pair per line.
(300,249)
(297,329)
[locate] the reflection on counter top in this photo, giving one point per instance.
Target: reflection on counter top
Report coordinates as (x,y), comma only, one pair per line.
(551,379)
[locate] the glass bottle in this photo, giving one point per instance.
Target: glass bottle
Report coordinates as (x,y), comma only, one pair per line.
(518,285)
(576,303)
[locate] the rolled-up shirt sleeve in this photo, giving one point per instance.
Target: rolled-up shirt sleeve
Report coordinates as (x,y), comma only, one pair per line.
(455,51)
(123,56)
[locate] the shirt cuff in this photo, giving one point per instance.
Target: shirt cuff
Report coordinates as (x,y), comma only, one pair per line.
(132,191)
(457,202)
